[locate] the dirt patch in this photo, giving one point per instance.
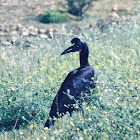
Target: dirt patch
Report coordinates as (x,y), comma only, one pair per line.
(18,11)
(19,17)
(13,12)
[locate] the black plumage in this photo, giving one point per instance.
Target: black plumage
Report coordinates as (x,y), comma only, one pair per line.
(77,81)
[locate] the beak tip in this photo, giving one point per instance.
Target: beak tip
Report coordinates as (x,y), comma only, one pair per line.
(62,53)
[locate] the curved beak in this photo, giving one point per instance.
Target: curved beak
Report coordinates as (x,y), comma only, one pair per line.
(73,48)
(68,50)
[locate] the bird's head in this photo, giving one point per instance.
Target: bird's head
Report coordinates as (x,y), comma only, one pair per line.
(78,44)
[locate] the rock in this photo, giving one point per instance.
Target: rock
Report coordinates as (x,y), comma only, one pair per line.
(24,29)
(31,28)
(25,33)
(5,43)
(42,31)
(32,33)
(13,27)
(14,32)
(36,30)
(13,40)
(55,30)
(43,36)
(42,46)
(2,34)
(4,3)
(19,27)
(50,33)
(7,30)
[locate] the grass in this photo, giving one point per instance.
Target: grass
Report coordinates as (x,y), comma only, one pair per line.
(30,79)
(52,16)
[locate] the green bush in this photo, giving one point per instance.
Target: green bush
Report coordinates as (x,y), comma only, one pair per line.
(52,16)
(19,107)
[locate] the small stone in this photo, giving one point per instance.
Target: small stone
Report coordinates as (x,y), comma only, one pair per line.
(28,40)
(13,27)
(42,46)
(55,30)
(18,27)
(50,33)
(32,33)
(31,27)
(42,31)
(7,30)
(14,32)
(5,43)
(25,33)
(2,34)
(24,29)
(36,30)
(13,40)
(43,36)
(4,4)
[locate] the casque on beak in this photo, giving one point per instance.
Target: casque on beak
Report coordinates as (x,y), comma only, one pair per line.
(68,50)
(76,47)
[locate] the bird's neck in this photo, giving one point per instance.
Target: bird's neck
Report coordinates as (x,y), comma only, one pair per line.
(83,62)
(84,56)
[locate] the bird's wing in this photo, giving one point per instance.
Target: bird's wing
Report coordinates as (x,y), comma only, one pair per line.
(70,90)
(78,81)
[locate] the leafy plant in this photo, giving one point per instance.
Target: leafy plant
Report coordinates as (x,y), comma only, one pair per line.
(78,7)
(52,16)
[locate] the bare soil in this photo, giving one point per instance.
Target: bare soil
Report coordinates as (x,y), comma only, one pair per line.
(19,17)
(19,11)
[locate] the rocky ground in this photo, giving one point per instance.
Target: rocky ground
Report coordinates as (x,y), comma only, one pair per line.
(18,18)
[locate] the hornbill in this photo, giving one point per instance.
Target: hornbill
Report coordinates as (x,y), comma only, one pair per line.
(77,82)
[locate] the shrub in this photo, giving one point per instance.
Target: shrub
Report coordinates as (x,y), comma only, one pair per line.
(78,7)
(52,16)
(18,108)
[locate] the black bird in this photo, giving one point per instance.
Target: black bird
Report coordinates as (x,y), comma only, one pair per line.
(77,81)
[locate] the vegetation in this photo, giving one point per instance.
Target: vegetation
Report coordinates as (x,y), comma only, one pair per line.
(78,7)
(74,7)
(52,16)
(30,79)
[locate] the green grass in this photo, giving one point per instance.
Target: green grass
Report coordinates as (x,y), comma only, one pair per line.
(52,16)
(30,79)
